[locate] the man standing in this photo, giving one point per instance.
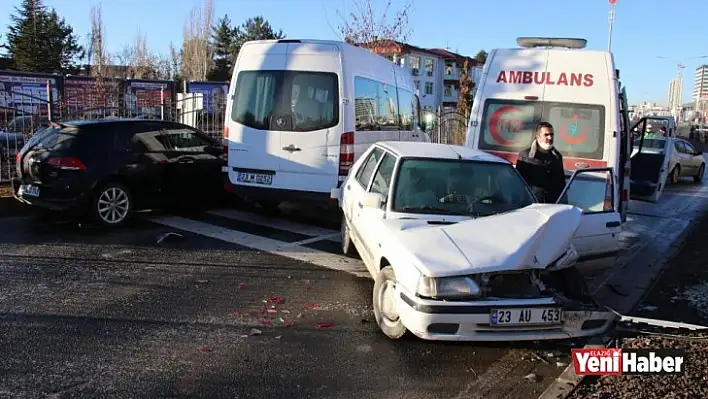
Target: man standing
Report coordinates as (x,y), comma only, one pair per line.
(541,165)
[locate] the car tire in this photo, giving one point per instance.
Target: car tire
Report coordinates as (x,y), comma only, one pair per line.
(348,247)
(698,178)
(385,309)
(112,204)
(676,174)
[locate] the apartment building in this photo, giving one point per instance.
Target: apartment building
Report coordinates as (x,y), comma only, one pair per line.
(675,94)
(700,83)
(436,72)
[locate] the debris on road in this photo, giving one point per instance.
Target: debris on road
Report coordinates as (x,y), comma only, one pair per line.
(692,384)
(169,235)
(324,325)
(255,331)
(531,377)
(665,320)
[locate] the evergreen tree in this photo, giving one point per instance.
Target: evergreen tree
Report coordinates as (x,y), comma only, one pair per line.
(481,57)
(228,41)
(223,38)
(40,41)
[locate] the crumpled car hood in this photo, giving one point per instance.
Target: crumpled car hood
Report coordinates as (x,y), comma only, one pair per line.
(528,238)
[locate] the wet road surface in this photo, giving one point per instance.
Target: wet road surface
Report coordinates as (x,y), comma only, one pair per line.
(88,312)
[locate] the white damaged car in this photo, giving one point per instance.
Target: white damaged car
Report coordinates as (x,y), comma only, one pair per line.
(460,250)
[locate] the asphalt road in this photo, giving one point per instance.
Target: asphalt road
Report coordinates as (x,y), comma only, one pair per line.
(88,312)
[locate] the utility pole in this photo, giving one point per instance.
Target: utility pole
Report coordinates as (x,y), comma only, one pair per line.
(612,23)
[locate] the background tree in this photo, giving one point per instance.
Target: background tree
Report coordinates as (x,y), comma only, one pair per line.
(40,41)
(481,57)
(99,58)
(364,25)
(228,41)
(464,105)
(197,49)
(256,28)
(137,60)
(224,40)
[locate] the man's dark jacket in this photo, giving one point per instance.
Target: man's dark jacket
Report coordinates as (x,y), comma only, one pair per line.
(543,171)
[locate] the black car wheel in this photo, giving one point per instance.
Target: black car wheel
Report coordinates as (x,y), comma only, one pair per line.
(112,204)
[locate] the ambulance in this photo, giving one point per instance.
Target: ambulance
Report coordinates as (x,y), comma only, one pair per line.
(579,92)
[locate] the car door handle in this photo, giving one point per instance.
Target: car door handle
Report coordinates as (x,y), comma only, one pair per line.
(612,224)
(291,148)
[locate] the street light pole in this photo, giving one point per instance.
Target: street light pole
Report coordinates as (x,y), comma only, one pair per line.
(612,23)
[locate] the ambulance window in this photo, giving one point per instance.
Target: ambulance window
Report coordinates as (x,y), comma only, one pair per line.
(580,129)
(508,125)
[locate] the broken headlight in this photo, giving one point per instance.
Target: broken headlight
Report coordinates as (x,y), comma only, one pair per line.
(569,258)
(448,288)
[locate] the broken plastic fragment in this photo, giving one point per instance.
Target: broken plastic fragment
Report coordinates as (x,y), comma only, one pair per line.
(266,322)
(279,337)
(327,324)
(276,299)
(240,286)
(285,311)
(255,331)
(309,306)
(204,349)
(272,311)
(163,237)
(288,324)
(531,377)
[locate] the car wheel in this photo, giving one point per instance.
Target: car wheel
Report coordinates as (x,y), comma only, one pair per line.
(676,174)
(701,171)
(385,308)
(112,204)
(348,247)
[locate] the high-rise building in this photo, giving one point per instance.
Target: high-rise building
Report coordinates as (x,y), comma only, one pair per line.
(700,83)
(674,103)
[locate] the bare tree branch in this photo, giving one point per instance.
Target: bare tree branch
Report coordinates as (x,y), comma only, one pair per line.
(197,49)
(365,27)
(99,57)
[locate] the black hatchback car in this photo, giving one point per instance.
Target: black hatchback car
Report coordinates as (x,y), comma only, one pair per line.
(110,168)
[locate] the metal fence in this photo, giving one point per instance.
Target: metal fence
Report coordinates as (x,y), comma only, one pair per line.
(23,114)
(25,110)
(445,126)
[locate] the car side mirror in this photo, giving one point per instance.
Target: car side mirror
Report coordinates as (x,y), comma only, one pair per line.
(373,200)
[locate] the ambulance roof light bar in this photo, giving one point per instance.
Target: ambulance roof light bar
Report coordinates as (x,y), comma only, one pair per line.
(533,42)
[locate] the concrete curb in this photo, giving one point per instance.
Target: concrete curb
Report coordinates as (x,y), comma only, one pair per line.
(568,381)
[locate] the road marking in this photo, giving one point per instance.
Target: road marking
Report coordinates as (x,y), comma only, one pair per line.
(279,224)
(288,250)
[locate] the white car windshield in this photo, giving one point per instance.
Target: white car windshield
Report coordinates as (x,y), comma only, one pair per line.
(462,187)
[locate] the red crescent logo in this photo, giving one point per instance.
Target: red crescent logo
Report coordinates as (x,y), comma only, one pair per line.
(573,140)
(493,124)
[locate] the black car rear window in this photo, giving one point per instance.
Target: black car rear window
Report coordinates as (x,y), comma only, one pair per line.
(56,139)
